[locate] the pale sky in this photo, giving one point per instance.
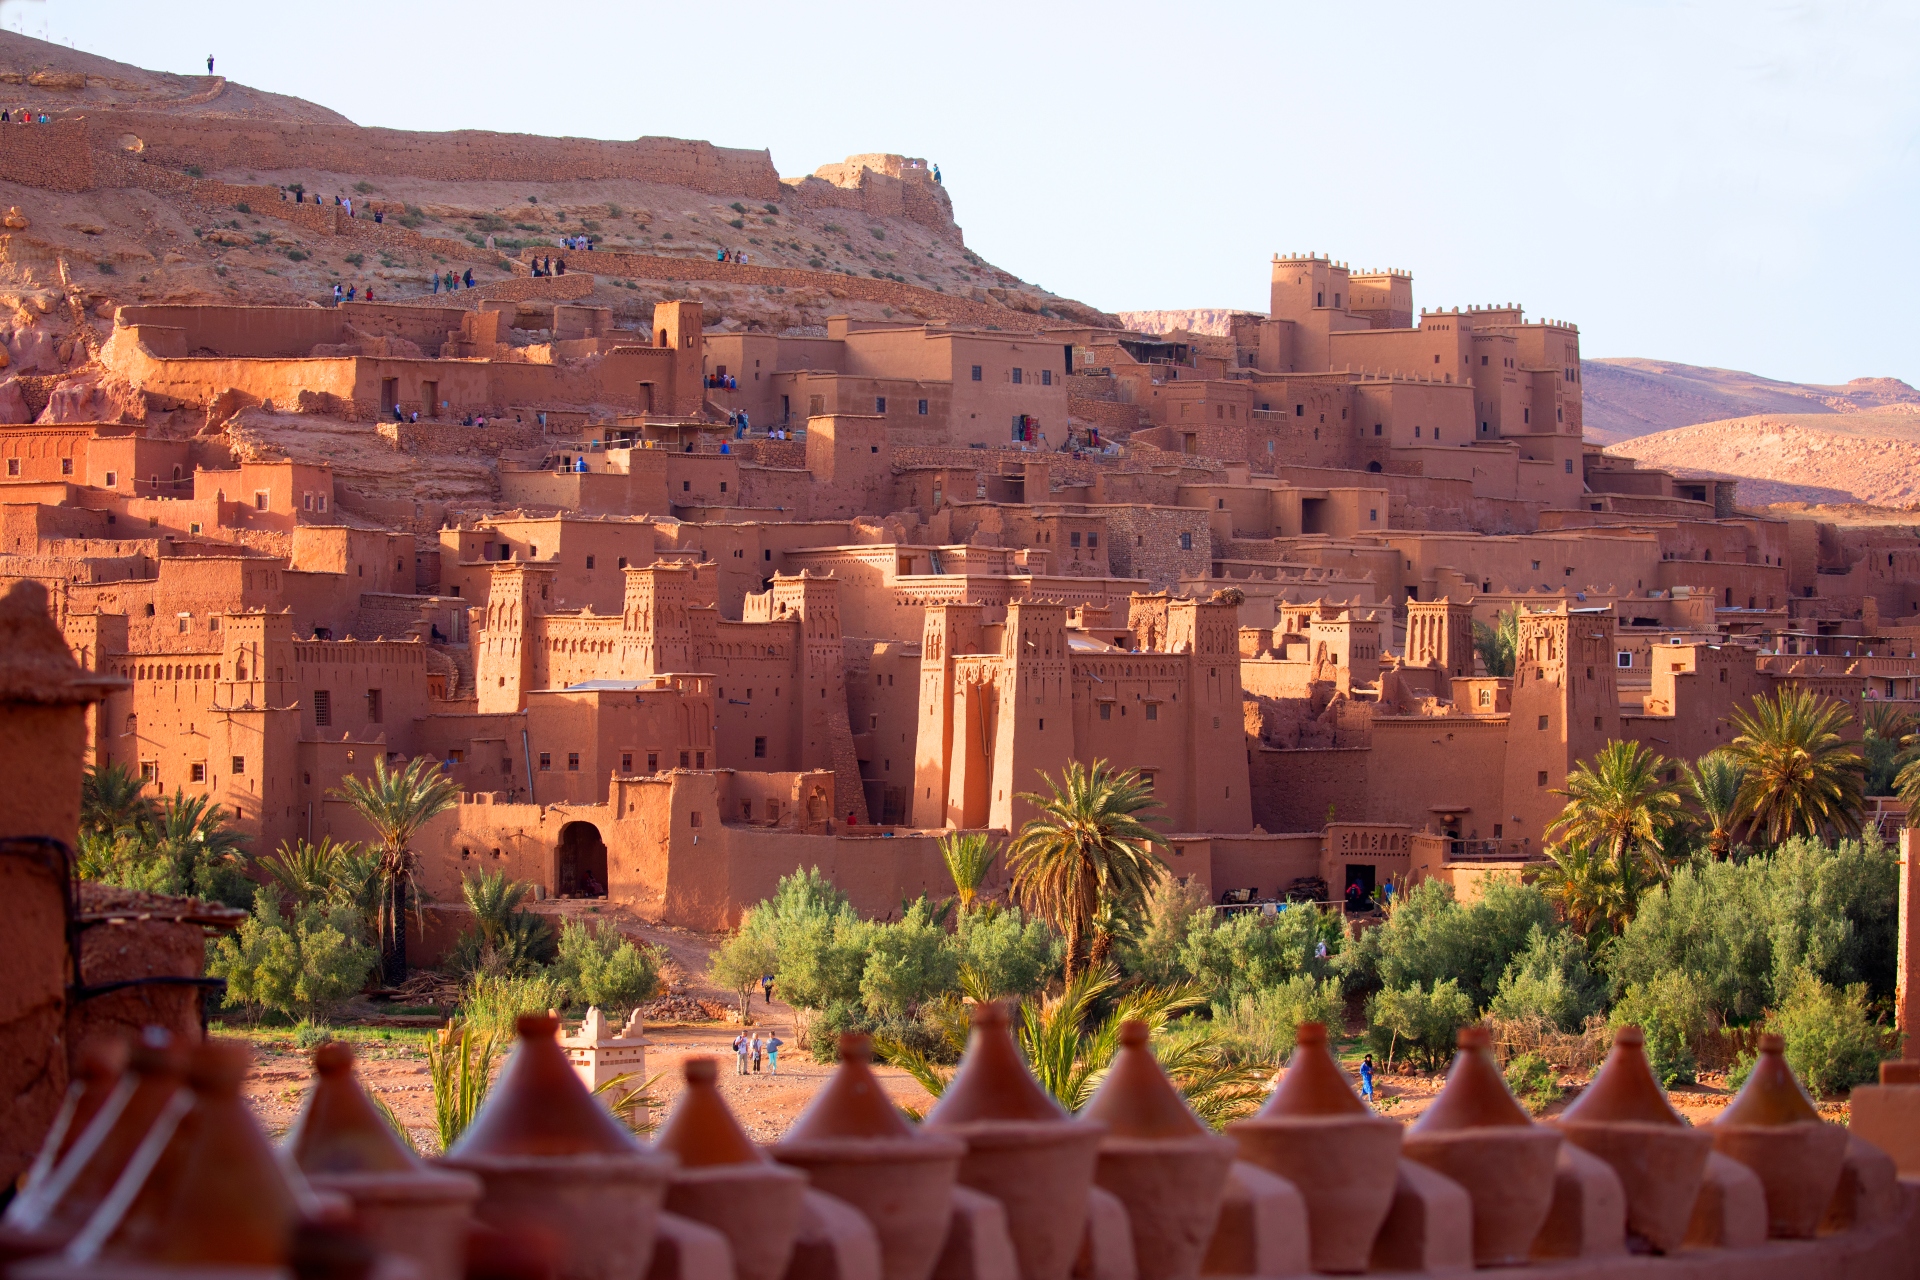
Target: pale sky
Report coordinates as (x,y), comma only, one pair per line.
(1728,184)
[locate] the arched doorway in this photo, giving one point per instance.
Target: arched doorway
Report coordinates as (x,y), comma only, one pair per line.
(580,867)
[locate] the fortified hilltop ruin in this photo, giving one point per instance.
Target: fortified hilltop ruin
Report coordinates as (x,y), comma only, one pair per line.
(705,525)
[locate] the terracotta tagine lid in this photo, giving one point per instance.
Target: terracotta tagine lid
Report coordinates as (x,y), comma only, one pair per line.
(1625,1088)
(339,1129)
(1137,1100)
(993,1082)
(1771,1096)
(539,1107)
(1476,1094)
(102,1064)
(73,1194)
(853,1105)
(1313,1083)
(702,1130)
(218,1194)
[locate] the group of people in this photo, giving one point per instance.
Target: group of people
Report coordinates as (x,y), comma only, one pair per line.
(748,1050)
(730,255)
(453,282)
(722,382)
(351,294)
(584,243)
(343,202)
(545,266)
(23,116)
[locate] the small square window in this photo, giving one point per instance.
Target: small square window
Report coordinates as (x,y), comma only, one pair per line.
(1186,542)
(13,466)
(653,762)
(976,378)
(1046,377)
(879,404)
(1106,711)
(113,478)
(1093,540)
(573,762)
(923,408)
(693,818)
(1153,711)
(590,558)
(685,759)
(1543,722)
(149,771)
(239,765)
(626,762)
(1016,377)
(1540,779)
(1074,539)
(66,466)
(546,762)
(686,486)
(199,773)
(260,500)
(1623,659)
(322,707)
(759,748)
(699,759)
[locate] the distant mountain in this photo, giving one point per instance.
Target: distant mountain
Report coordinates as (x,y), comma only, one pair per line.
(1627,398)
(1871,458)
(1206,320)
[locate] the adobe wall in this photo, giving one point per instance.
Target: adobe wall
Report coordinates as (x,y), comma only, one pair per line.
(1144,542)
(1303,790)
(1261,862)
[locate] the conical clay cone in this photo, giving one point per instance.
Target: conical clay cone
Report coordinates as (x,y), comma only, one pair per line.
(1773,1129)
(60,1192)
(1623,1117)
(1168,1168)
(217,1195)
(343,1144)
(1320,1136)
(855,1146)
(726,1182)
(555,1162)
(1477,1134)
(1022,1147)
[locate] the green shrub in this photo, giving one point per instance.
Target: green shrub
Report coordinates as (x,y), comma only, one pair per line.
(1268,1020)
(737,207)
(737,223)
(1009,954)
(1229,956)
(1551,979)
(1533,1081)
(299,965)
(356,259)
(599,967)
(1416,1021)
(298,255)
(243,207)
(907,963)
(876,233)
(1672,1008)
(1832,1044)
(1430,936)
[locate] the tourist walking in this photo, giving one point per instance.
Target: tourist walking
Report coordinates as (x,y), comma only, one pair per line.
(1366,1079)
(766,989)
(756,1053)
(740,1054)
(773,1054)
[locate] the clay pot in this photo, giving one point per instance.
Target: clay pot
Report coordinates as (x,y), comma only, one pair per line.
(211,1190)
(726,1182)
(1772,1128)
(46,1216)
(1160,1161)
(856,1147)
(1477,1134)
(343,1144)
(103,1065)
(1623,1117)
(554,1161)
(1342,1157)
(1022,1147)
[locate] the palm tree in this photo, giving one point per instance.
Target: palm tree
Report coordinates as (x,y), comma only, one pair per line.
(112,800)
(1497,645)
(1801,777)
(1887,743)
(968,857)
(205,857)
(1087,841)
(1619,803)
(308,872)
(1714,781)
(396,805)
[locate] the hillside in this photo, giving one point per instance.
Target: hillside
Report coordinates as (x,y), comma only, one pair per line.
(1628,398)
(155,188)
(1211,321)
(1869,458)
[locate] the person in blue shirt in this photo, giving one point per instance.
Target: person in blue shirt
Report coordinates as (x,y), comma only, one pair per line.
(1366,1078)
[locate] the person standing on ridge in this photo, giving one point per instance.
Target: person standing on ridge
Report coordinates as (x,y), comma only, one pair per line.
(209,64)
